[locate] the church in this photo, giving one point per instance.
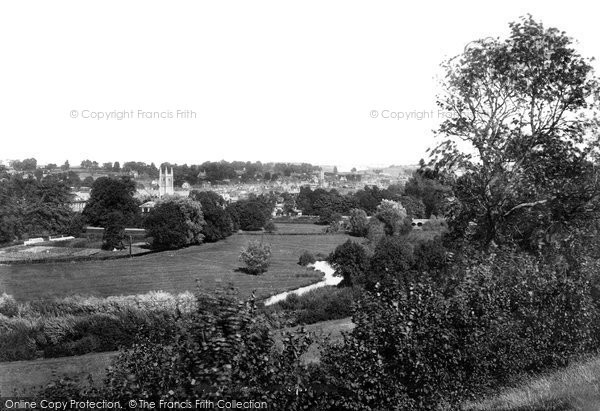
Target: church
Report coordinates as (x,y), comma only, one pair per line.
(165,182)
(165,188)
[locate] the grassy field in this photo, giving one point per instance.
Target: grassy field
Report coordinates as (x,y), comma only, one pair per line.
(576,387)
(295,228)
(26,377)
(212,265)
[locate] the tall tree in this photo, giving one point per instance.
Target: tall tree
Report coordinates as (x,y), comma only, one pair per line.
(523,110)
(112,195)
(33,207)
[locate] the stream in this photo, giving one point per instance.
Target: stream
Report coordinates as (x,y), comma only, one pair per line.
(328,279)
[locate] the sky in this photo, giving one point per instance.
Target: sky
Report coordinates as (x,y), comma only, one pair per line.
(350,83)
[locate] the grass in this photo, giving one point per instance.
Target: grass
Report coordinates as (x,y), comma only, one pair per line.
(576,387)
(26,377)
(213,265)
(20,378)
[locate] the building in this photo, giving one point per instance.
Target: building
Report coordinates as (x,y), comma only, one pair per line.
(165,182)
(147,206)
(79,201)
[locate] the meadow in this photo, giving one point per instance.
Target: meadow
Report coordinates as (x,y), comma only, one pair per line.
(207,266)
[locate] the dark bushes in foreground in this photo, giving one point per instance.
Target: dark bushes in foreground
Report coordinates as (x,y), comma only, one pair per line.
(77,325)
(507,315)
(220,352)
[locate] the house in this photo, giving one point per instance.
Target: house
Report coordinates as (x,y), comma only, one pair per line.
(147,206)
(79,201)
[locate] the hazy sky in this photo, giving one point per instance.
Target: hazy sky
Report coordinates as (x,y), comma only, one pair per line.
(267,80)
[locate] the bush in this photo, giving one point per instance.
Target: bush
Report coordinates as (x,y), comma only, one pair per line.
(8,305)
(430,348)
(270,227)
(306,258)
(221,348)
(256,257)
(322,304)
(78,325)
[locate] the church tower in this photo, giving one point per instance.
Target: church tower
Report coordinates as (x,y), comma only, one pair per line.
(165,182)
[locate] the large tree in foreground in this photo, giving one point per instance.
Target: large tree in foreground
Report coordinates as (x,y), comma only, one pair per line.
(522,129)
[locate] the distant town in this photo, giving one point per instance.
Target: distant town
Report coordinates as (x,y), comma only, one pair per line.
(233,181)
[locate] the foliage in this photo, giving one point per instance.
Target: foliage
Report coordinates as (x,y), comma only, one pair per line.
(359,223)
(76,225)
(392,258)
(114,233)
(221,351)
(29,207)
(8,305)
(321,304)
(249,215)
(415,208)
(524,110)
(270,227)
(110,195)
(430,255)
(28,164)
(427,347)
(80,325)
(219,224)
(256,257)
(306,258)
(375,232)
(393,215)
(175,222)
(431,188)
(350,261)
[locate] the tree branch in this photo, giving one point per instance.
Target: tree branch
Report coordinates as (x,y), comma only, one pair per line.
(523,205)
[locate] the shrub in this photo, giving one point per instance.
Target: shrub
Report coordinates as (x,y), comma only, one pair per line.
(270,227)
(321,304)
(8,305)
(256,257)
(306,258)
(221,348)
(430,348)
